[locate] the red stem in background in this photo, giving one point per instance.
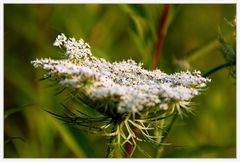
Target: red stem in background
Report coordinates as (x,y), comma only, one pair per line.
(161,34)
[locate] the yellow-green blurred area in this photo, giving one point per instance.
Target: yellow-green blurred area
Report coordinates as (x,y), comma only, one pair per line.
(116,32)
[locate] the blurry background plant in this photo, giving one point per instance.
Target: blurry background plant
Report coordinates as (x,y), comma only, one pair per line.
(118,32)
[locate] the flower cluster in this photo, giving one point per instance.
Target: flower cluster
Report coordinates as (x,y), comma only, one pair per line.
(132,88)
(127,96)
(74,48)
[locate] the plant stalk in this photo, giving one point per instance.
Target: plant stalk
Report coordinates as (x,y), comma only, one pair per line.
(161,35)
(164,136)
(204,49)
(112,144)
(159,133)
(210,72)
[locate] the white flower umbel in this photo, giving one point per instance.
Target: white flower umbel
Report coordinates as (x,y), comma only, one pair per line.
(132,87)
(123,92)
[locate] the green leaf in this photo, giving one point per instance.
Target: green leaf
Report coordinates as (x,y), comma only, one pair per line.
(13,138)
(133,25)
(11,111)
(69,139)
(134,9)
(137,9)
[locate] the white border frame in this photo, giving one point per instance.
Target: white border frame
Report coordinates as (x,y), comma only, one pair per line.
(110,2)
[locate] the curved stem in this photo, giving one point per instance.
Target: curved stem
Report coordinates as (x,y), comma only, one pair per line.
(164,136)
(219,68)
(169,127)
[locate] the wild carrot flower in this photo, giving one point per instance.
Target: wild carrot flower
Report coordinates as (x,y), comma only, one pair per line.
(126,95)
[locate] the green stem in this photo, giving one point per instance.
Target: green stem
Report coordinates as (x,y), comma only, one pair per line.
(219,68)
(112,144)
(204,49)
(164,136)
(169,127)
(159,134)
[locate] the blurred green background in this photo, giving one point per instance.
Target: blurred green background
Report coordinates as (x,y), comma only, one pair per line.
(116,32)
